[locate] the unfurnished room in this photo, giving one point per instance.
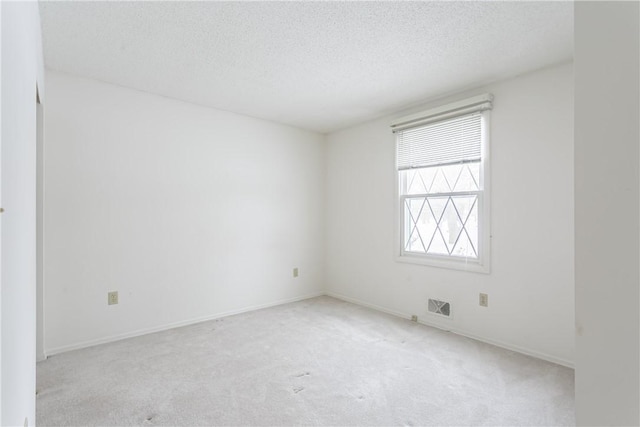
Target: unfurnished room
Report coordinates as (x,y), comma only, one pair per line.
(320,213)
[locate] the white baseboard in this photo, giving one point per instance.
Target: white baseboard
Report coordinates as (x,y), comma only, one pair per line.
(112,338)
(507,346)
(139,332)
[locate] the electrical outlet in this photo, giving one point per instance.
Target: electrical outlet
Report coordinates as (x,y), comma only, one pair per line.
(414,318)
(295,272)
(112,297)
(484,300)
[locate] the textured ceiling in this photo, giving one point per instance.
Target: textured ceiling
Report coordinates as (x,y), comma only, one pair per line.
(321,66)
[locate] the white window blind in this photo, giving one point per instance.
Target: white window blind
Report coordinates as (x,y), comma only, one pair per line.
(457,140)
(441,136)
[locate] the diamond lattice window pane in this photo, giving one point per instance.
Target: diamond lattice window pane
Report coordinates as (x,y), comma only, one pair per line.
(416,184)
(463,205)
(414,244)
(474,168)
(450,225)
(442,179)
(413,210)
(442,224)
(464,247)
(466,180)
(451,174)
(427,226)
(428,175)
(420,225)
(440,184)
(467,244)
(472,226)
(437,205)
(437,245)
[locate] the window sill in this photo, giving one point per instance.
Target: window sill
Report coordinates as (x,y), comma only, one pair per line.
(451,264)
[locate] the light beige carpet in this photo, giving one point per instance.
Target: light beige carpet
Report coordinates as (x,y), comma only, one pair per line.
(316,362)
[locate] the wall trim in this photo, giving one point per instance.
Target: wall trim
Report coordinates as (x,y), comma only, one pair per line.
(433,324)
(146,331)
(506,346)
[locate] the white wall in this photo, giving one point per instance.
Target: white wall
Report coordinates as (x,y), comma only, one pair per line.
(531,284)
(607,223)
(21,70)
(188,212)
(40,234)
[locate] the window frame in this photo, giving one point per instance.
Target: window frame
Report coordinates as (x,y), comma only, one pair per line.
(483,262)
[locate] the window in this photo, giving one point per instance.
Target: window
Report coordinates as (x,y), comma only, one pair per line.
(442,163)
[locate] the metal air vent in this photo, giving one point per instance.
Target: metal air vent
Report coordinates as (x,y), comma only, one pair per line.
(441,308)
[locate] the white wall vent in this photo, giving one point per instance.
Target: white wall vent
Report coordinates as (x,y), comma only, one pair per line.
(441,308)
